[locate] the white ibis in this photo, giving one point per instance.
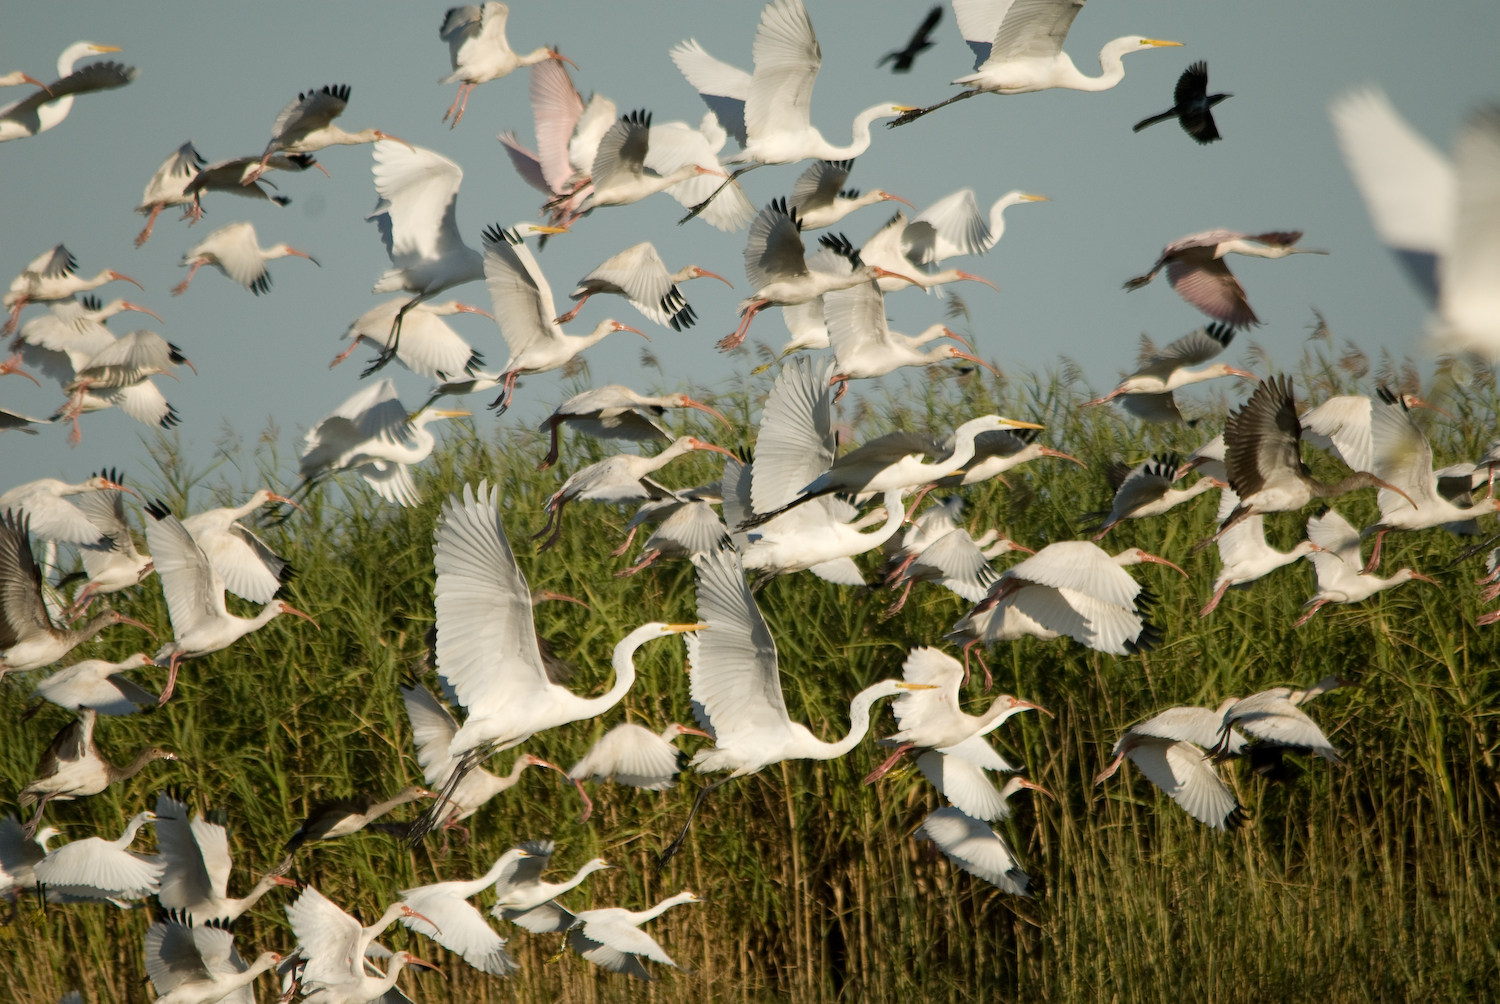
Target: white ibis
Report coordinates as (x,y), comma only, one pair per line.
(1072,588)
(418,223)
(674,144)
(631,755)
(611,938)
(937,550)
(864,344)
(442,911)
(819,199)
(735,683)
(1146,490)
(615,411)
(1245,554)
(333,945)
(373,435)
(1274,719)
(428,347)
(1165,371)
(777,268)
(1263,458)
(73,767)
(950,227)
(958,773)
(932,718)
(305,125)
(894,462)
(487,649)
(1341,426)
(685,525)
(1196,269)
(1018,49)
(201,624)
(1208,460)
(623,477)
(199,965)
(432,729)
(620,171)
(1192,106)
(343,816)
(235,252)
(480,52)
(769,112)
(1168,749)
(47,107)
(229,176)
(120,567)
(568,132)
(100,685)
(976,848)
(1342,576)
(52,275)
(195,884)
(522,898)
(19,856)
(524,310)
(30,636)
(1403,456)
(997,452)
(639,275)
(97,869)
(248,566)
(168,187)
(797,443)
(119,373)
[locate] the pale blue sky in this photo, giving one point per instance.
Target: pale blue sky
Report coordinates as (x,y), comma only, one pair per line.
(218,73)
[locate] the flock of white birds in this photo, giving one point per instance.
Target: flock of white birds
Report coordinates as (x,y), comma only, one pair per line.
(799,506)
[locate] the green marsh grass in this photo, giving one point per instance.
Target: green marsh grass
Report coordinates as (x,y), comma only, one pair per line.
(1375,880)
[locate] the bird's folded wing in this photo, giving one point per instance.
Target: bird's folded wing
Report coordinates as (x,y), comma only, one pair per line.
(963,784)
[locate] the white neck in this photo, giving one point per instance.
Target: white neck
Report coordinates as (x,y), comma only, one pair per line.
(859,134)
(624,666)
(577,879)
(1110,63)
(535,56)
(682,275)
(257,500)
(997,215)
(859,722)
(895,515)
(134,827)
(641,917)
(935,331)
(242,906)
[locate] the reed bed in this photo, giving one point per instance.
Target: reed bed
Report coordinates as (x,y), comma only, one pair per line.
(1375,880)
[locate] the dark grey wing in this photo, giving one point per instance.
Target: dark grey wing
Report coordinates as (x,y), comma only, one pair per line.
(819,185)
(1262,437)
(311,111)
(775,249)
(275,563)
(22,611)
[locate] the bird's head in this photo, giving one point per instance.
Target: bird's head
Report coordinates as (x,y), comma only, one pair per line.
(884,273)
(283,607)
(1135,556)
(554,54)
(434,414)
(157,753)
(613,325)
(286,250)
(100,482)
(1224,369)
(1134,43)
(694,443)
(976,278)
(135,661)
(408,959)
(379,135)
(1022,782)
(268,959)
(464,308)
(683,401)
(995,423)
(1419,577)
(1413,401)
(889,197)
(1006,702)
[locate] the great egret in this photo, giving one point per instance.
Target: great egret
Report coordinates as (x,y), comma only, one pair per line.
(1017,47)
(611,938)
(487,648)
(94,868)
(735,682)
(1192,106)
(47,107)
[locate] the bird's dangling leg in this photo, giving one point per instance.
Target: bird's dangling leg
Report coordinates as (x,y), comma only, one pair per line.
(453,108)
(145,235)
(344,354)
(568,317)
(1375,554)
(843,382)
(15,315)
(41,806)
(508,388)
(1310,611)
(1209,607)
(392,340)
(649,559)
(885,768)
(172,665)
(676,845)
(625,546)
(552,451)
(734,340)
(727,182)
(182,286)
(895,608)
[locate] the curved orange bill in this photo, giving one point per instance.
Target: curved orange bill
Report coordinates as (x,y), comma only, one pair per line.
(1425,578)
(464,308)
(978,278)
(1048,451)
(135,623)
(1390,487)
(693,732)
(717,449)
(120,277)
(950,333)
(28,78)
(273,497)
(1036,787)
(886,273)
(307,617)
(704,273)
(888,197)
(689,402)
(127,305)
(1162,561)
(976,359)
(1242,374)
(554,54)
(547,594)
(1034,707)
(394,139)
(119,487)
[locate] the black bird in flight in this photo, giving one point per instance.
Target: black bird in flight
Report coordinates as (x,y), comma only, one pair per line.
(1193,108)
(919,42)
